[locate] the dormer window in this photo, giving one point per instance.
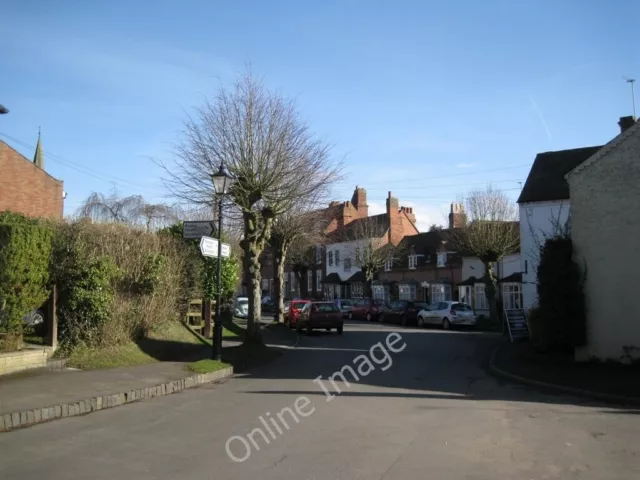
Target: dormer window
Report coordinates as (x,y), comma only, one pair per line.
(413,261)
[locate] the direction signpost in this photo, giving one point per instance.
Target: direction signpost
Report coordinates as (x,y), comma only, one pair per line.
(209,247)
(198,229)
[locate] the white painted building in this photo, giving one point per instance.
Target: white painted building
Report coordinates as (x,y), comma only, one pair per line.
(544,210)
(472,289)
(341,261)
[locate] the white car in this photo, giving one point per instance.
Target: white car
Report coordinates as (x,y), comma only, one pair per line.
(447,314)
(242,307)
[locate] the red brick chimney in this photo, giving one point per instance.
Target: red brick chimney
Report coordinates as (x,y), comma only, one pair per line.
(359,200)
(457,216)
(396,228)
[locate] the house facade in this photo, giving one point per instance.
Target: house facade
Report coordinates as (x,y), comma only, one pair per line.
(605,231)
(25,187)
(343,278)
(544,210)
(472,289)
(428,269)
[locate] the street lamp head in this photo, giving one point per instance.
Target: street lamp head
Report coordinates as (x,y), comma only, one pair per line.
(3,109)
(222,180)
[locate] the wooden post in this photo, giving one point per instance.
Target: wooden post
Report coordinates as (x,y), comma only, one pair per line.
(52,319)
(206,315)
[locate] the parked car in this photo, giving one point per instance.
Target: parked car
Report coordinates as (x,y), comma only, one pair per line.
(344,305)
(368,309)
(242,307)
(325,315)
(447,314)
(403,312)
(292,311)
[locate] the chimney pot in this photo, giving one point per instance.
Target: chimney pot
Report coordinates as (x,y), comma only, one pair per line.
(626,123)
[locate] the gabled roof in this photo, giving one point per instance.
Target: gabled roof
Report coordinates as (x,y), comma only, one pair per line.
(332,278)
(612,145)
(546,180)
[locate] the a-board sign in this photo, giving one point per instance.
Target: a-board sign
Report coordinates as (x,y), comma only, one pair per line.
(517,323)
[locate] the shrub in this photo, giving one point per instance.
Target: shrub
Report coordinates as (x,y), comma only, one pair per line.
(560,319)
(25,250)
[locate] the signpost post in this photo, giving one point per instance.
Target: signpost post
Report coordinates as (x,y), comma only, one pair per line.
(198,229)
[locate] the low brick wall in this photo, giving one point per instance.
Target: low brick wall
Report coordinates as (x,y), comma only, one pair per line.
(12,362)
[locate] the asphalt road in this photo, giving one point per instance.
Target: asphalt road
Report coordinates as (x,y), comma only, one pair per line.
(432,414)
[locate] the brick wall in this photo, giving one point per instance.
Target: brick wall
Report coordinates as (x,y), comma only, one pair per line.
(26,188)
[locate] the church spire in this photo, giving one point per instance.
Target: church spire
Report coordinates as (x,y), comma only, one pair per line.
(38,158)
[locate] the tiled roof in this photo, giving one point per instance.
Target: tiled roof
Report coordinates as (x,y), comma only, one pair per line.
(546,179)
(357,277)
(332,278)
(354,230)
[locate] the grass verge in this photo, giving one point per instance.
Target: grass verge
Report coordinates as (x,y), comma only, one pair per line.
(206,366)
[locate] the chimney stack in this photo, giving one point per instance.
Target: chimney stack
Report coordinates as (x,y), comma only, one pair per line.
(626,122)
(457,216)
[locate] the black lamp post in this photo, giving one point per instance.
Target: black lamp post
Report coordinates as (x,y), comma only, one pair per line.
(222,181)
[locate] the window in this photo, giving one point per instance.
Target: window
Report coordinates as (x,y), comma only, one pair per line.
(380,292)
(413,261)
(442,259)
(357,255)
(388,265)
(511,295)
(407,292)
(318,254)
(330,255)
(464,294)
(309,281)
(481,297)
(357,290)
(337,257)
(318,280)
(347,264)
(440,293)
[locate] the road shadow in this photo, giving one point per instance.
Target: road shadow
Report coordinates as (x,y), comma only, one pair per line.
(433,365)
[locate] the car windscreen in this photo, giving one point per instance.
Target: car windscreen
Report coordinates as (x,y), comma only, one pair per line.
(298,305)
(461,306)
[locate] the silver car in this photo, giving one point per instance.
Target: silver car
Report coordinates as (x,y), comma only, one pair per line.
(447,314)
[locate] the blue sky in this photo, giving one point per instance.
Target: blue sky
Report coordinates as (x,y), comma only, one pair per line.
(427,99)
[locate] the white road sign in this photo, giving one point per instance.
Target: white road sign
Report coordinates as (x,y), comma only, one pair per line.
(198,229)
(209,247)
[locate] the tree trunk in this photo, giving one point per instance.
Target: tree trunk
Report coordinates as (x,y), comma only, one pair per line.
(490,291)
(253,244)
(279,259)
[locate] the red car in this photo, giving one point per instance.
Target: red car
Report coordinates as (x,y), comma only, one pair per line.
(325,315)
(368,309)
(292,311)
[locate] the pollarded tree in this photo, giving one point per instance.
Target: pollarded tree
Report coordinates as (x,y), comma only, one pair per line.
(273,156)
(491,232)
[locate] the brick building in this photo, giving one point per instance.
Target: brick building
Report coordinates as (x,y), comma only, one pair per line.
(25,186)
(428,269)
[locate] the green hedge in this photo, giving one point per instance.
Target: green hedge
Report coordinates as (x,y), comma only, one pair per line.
(25,251)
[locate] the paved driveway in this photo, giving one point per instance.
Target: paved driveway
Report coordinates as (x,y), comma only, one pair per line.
(432,414)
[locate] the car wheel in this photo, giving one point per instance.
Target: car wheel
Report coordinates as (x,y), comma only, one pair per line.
(403,320)
(350,316)
(368,316)
(339,329)
(446,324)
(420,322)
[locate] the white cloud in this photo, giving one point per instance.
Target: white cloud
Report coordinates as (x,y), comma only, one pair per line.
(466,165)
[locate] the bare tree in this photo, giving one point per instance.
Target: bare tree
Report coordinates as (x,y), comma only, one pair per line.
(367,246)
(132,210)
(491,232)
(262,140)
